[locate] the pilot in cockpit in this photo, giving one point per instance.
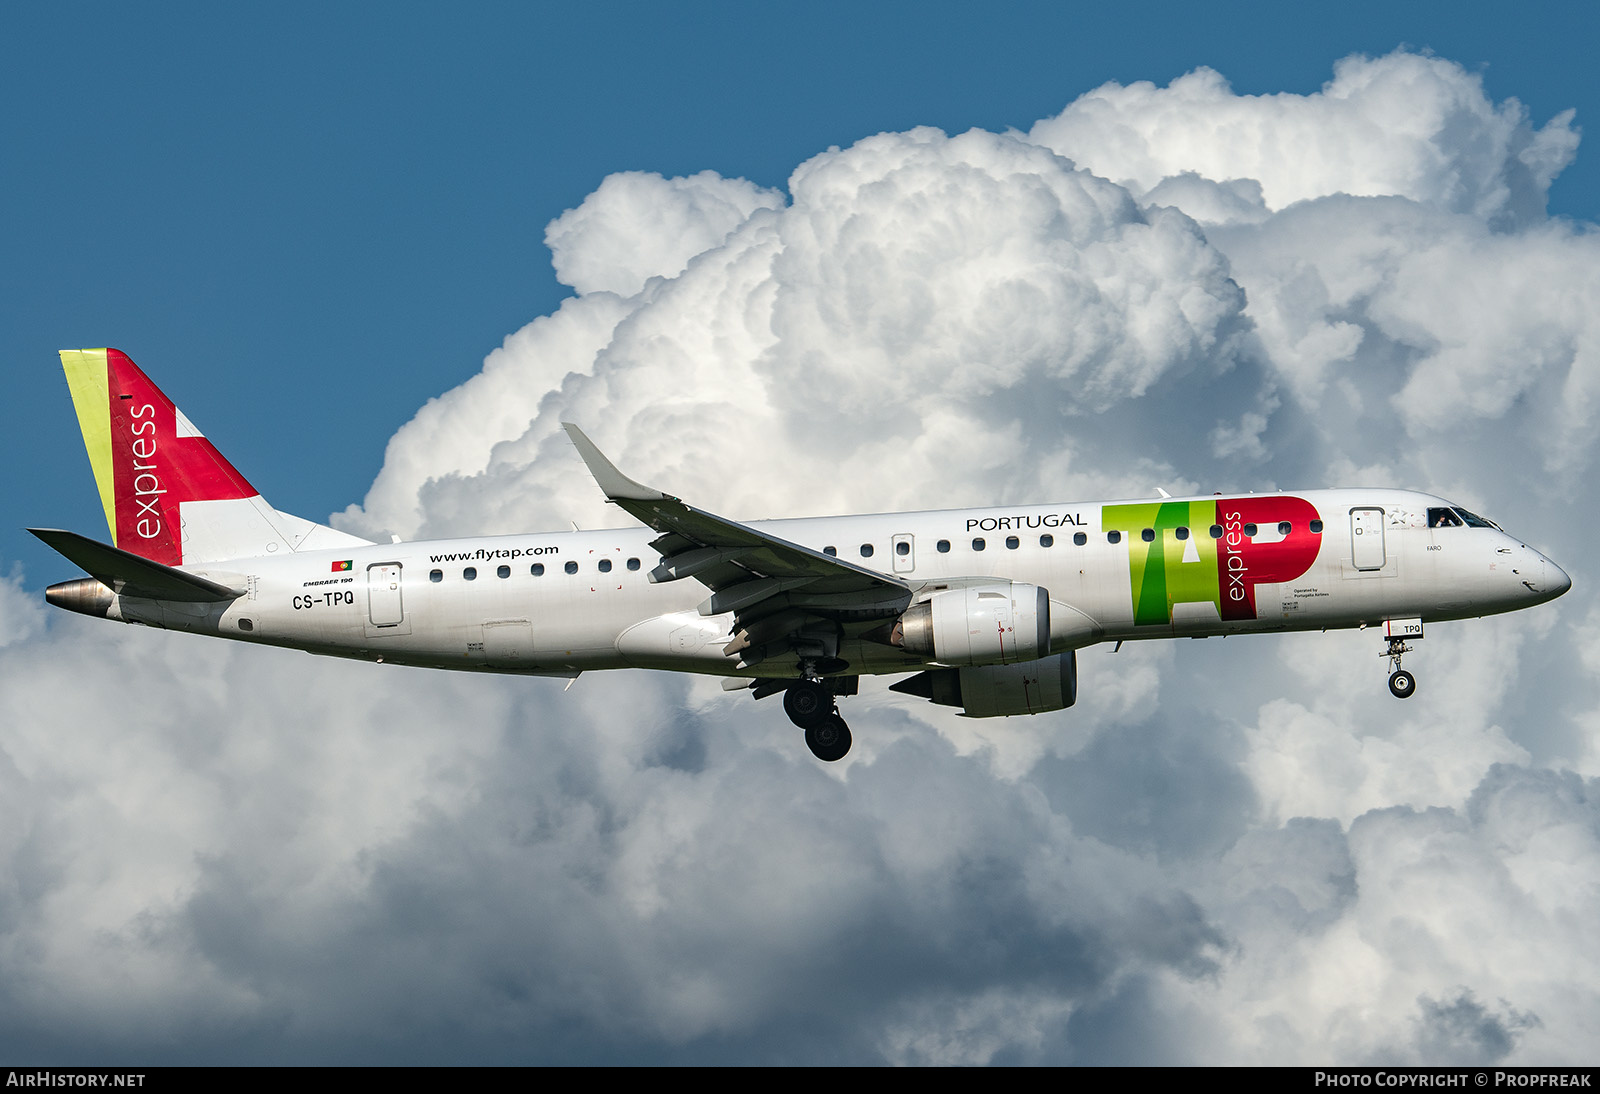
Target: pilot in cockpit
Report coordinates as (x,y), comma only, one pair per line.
(1444,517)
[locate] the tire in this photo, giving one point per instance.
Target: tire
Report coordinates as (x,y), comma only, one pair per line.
(1402,685)
(807,703)
(829,739)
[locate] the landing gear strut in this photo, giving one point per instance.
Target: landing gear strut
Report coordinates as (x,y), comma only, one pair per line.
(809,705)
(1402,685)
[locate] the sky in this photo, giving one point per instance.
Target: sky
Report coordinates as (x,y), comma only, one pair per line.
(906,256)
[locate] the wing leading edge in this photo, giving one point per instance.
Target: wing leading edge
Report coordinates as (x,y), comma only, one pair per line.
(785,598)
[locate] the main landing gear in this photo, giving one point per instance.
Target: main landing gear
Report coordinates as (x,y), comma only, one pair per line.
(809,705)
(1402,685)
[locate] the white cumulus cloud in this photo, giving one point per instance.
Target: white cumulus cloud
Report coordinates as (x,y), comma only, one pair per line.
(638,225)
(1406,125)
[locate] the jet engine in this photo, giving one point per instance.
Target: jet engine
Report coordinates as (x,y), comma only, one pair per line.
(995,691)
(989,624)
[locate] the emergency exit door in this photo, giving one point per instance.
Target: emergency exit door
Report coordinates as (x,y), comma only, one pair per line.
(905,558)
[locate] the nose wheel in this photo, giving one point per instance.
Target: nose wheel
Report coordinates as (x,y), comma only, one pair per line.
(1402,685)
(809,705)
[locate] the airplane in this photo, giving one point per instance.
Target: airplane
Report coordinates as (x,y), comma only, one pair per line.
(986,606)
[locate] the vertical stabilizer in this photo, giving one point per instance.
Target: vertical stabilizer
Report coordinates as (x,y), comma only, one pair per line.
(169,495)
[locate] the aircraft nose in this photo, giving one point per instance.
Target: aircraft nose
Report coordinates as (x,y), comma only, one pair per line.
(1554,581)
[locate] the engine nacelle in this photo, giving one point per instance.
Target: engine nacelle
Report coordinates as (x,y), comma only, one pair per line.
(990,624)
(996,691)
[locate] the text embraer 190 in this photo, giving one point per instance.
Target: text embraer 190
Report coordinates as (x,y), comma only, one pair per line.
(986,606)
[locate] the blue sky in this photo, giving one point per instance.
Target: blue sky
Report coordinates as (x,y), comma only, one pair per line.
(306,220)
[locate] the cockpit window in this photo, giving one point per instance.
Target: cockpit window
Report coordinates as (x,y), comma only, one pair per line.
(1443,518)
(1475,521)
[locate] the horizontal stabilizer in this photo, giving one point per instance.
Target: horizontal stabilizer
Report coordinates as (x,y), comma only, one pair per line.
(130,575)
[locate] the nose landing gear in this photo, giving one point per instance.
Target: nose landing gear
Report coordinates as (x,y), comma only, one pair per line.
(1402,685)
(809,705)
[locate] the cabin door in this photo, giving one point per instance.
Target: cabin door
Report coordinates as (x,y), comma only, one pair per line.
(1366,539)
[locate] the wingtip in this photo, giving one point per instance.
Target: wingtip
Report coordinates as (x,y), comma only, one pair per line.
(613,483)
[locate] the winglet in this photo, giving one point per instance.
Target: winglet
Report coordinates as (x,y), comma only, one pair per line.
(613,483)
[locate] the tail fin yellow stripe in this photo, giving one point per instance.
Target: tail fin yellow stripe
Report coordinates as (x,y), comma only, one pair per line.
(91,395)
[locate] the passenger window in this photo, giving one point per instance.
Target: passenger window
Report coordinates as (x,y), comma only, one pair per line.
(977,545)
(1284,527)
(633,564)
(503,571)
(436,576)
(470,573)
(1182,534)
(1113,537)
(1316,527)
(1047,540)
(1250,530)
(1148,535)
(537,569)
(902,548)
(1012,543)
(866,550)
(605,565)
(571,567)
(1080,538)
(831,551)
(1216,531)
(943,546)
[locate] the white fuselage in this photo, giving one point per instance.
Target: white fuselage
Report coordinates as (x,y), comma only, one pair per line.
(560,603)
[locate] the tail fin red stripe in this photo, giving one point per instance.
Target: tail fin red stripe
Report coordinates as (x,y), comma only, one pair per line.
(159,461)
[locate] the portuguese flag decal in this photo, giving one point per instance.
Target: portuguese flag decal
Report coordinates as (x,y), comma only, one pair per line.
(340,567)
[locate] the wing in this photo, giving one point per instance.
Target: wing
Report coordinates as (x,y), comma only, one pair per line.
(785,598)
